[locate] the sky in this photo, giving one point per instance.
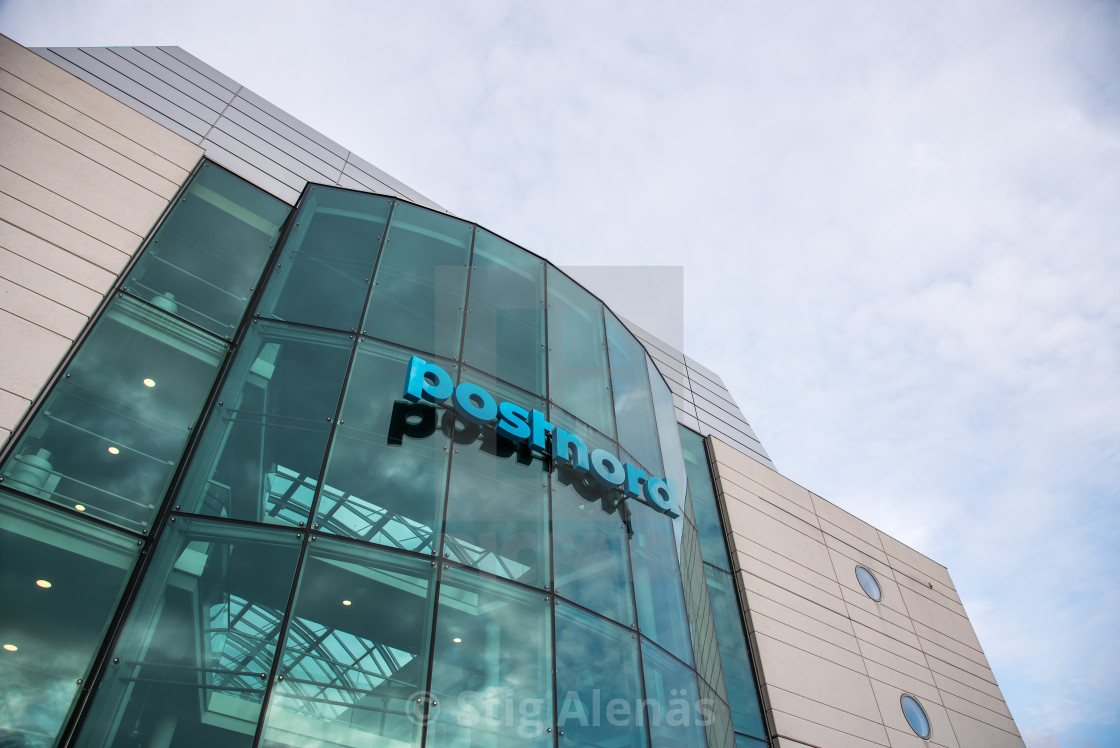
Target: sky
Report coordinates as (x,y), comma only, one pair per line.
(898,222)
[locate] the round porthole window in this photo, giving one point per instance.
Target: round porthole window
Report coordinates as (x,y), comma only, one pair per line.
(916,716)
(869,583)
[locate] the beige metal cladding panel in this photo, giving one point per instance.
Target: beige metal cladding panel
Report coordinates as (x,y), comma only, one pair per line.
(82,179)
(95,104)
(833,687)
(820,640)
(759,473)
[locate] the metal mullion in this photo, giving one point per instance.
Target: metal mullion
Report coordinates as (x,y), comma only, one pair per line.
(376,266)
(638,637)
(437,586)
(548,487)
(740,601)
(282,633)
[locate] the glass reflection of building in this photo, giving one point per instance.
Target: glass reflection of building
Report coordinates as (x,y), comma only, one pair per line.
(224,526)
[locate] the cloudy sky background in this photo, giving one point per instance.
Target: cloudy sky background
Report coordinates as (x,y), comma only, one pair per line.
(899,224)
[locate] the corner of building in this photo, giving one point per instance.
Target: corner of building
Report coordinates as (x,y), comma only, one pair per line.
(833,662)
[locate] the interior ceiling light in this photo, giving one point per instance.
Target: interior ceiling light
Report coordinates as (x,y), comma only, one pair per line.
(149,383)
(114,451)
(79,507)
(11,647)
(457,640)
(45,584)
(346,602)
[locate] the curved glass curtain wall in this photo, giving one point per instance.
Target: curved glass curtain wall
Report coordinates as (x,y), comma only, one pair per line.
(336,563)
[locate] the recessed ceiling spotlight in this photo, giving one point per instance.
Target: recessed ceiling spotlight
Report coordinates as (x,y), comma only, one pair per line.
(149,383)
(457,640)
(45,584)
(11,647)
(114,451)
(79,507)
(347,602)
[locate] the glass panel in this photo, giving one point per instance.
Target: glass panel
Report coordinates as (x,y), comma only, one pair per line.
(716,718)
(633,404)
(421,282)
(598,682)
(589,547)
(676,712)
(387,469)
(578,379)
(191,662)
(497,497)
(704,502)
(505,318)
(492,669)
(738,673)
(261,454)
(657,580)
(60,579)
(356,653)
(208,255)
(671,455)
(742,741)
(329,254)
(112,431)
(699,608)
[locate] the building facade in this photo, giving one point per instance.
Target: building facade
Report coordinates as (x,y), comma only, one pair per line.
(294,456)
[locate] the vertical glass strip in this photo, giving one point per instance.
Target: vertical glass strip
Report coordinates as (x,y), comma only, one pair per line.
(742,693)
(699,608)
(633,403)
(667,432)
(713,546)
(734,653)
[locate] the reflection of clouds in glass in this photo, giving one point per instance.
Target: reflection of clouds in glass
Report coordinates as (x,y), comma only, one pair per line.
(382,493)
(497,513)
(335,675)
(507,658)
(102,401)
(35,695)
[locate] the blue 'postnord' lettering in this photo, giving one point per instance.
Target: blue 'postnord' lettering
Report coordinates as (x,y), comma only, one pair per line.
(432,384)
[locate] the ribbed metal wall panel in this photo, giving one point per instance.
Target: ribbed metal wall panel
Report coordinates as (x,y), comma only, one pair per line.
(702,401)
(238,129)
